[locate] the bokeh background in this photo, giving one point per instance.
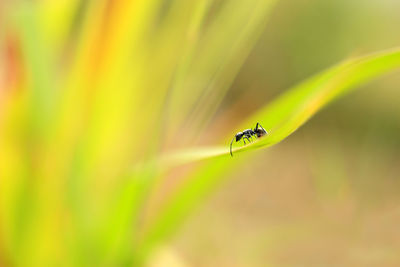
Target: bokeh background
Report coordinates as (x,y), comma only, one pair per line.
(92,91)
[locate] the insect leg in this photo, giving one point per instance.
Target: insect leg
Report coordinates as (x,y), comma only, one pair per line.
(247,138)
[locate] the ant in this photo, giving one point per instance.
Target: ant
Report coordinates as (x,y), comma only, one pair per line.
(249,134)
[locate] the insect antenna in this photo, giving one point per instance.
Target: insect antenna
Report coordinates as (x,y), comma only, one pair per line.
(231,145)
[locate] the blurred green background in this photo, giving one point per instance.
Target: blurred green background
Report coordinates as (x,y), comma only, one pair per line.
(93,93)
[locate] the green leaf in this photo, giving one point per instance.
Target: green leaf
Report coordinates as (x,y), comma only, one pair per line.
(280,118)
(292,109)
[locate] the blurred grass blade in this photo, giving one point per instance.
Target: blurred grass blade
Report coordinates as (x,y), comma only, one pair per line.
(227,37)
(281,118)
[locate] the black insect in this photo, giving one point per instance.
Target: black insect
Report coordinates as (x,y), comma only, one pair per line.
(249,134)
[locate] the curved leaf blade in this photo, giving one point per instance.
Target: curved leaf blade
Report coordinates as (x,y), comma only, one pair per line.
(292,109)
(281,118)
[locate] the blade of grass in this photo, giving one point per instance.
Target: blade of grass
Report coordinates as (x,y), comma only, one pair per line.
(292,109)
(236,53)
(227,37)
(34,198)
(280,118)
